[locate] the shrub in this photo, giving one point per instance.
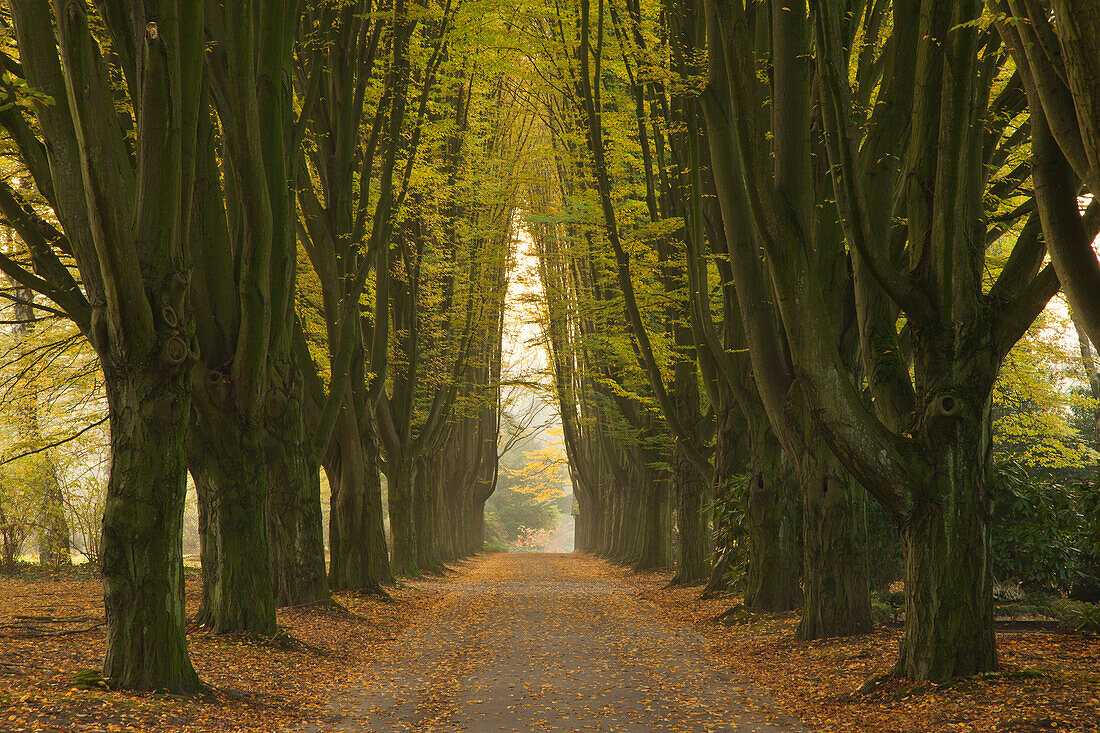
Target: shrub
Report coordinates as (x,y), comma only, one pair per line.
(1037,529)
(1078,616)
(729,529)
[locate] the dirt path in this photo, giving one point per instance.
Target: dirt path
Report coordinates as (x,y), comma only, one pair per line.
(546,643)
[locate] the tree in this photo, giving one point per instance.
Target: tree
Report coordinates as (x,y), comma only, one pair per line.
(243,259)
(835,577)
(339,50)
(122,197)
(910,208)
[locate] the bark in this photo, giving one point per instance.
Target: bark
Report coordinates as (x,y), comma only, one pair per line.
(426,514)
(357,541)
(53,547)
(693,565)
(948,576)
(448,517)
(244,259)
(837,581)
(584,520)
(772,519)
(652,529)
(227,458)
(334,228)
(401,486)
(295,537)
(477,531)
(121,198)
(1069,239)
(626,529)
(728,463)
(142,555)
(931,273)
(949,601)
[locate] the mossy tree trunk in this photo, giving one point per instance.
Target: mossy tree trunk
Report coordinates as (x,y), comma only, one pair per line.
(227,458)
(920,444)
(245,269)
(691,519)
(121,197)
(401,487)
(357,541)
(426,514)
(836,578)
(141,556)
(773,528)
(294,528)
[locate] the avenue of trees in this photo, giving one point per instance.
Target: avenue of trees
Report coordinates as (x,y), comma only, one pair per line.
(787,249)
(796,264)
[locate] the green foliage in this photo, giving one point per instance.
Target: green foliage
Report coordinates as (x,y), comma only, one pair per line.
(1083,618)
(1007,593)
(15,92)
(1037,528)
(887,605)
(1034,402)
(730,528)
(511,512)
(882,612)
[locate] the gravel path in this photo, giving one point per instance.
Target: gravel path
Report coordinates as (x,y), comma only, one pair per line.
(525,642)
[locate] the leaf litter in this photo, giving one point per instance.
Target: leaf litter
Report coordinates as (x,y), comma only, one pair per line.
(442,654)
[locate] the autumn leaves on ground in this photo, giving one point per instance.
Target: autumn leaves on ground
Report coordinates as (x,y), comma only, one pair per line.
(527,642)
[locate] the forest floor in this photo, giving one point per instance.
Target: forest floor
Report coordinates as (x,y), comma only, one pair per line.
(1048,681)
(526,643)
(51,629)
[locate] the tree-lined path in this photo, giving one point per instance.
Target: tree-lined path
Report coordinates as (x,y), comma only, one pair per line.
(798,302)
(534,642)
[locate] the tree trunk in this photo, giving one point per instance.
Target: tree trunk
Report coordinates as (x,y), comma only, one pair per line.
(583,519)
(227,459)
(476,528)
(948,582)
(447,518)
(611,517)
(142,553)
(425,507)
(693,565)
(295,536)
(625,527)
(653,548)
(836,579)
(53,548)
(400,483)
(357,540)
(580,531)
(772,518)
(728,463)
